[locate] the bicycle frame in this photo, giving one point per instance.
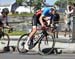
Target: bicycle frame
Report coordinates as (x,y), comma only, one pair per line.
(44,33)
(3,33)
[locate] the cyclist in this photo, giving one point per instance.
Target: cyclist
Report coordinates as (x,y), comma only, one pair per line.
(39,17)
(4,19)
(55,22)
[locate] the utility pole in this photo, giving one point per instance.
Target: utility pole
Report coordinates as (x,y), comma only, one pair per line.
(30,6)
(73,31)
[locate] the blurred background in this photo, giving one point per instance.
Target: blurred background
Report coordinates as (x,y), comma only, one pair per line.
(21,12)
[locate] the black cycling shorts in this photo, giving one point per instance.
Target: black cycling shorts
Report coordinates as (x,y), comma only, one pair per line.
(35,20)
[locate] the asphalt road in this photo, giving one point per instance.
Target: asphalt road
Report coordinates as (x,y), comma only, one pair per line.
(34,55)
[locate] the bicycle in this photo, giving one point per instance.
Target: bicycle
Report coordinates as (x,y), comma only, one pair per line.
(4,36)
(41,40)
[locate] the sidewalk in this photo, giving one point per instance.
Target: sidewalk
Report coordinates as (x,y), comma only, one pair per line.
(60,39)
(63,43)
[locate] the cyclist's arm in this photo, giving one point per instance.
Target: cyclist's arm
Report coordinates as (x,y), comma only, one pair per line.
(41,21)
(44,14)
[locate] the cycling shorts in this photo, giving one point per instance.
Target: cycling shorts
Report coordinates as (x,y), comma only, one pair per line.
(35,20)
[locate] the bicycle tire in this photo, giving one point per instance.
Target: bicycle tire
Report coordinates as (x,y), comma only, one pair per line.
(48,50)
(22,38)
(5,36)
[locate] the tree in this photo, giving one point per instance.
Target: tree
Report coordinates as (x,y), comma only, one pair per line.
(63,3)
(57,3)
(37,4)
(72,1)
(19,2)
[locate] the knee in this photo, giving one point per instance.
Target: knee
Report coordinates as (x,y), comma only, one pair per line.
(34,29)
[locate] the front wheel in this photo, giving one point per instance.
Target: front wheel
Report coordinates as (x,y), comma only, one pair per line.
(4,39)
(46,45)
(21,43)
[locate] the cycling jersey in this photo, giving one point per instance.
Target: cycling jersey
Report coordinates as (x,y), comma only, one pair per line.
(38,12)
(46,11)
(56,18)
(35,18)
(3,21)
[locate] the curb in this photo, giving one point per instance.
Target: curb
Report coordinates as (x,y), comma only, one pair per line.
(60,39)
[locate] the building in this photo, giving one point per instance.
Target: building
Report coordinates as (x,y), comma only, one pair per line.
(14,7)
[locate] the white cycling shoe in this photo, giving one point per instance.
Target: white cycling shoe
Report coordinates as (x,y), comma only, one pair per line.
(27,44)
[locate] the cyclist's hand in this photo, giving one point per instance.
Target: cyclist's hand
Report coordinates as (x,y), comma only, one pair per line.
(43,25)
(44,28)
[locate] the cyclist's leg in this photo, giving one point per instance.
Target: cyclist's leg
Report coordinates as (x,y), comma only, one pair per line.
(56,25)
(1,33)
(34,29)
(56,30)
(1,26)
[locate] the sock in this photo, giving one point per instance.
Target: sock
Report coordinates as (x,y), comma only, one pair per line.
(27,40)
(26,44)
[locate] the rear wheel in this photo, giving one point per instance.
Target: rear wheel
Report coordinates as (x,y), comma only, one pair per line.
(21,43)
(46,45)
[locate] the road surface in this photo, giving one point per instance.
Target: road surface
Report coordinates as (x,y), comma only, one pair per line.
(34,55)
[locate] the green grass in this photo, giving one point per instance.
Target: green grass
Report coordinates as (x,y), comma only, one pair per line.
(16,33)
(22,14)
